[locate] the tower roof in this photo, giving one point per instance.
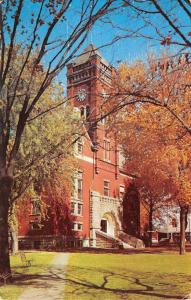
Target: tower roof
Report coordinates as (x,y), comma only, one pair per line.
(88,52)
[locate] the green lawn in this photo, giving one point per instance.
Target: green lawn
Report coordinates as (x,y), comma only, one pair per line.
(128,276)
(25,275)
(109,276)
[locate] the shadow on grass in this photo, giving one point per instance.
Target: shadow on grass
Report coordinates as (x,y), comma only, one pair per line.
(96,281)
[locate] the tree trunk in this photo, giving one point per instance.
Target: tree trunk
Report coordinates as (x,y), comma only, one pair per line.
(183,214)
(150,226)
(5,191)
(14,241)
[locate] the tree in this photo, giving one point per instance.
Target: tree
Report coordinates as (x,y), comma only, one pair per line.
(165,23)
(43,53)
(181,189)
(55,194)
(160,89)
(46,140)
(158,155)
(147,160)
(49,197)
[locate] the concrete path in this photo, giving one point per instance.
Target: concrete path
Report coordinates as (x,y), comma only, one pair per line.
(50,285)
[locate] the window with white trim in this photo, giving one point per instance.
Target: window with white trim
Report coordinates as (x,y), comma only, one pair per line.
(76,208)
(79,226)
(76,226)
(72,207)
(35,207)
(106,188)
(78,186)
(121,159)
(106,146)
(121,192)
(85,112)
(80,146)
(79,209)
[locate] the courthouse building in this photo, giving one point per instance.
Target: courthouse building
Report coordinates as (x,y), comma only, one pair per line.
(100,182)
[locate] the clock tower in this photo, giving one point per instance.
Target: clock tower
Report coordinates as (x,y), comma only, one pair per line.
(88,82)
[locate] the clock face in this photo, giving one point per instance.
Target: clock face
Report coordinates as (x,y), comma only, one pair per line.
(81,95)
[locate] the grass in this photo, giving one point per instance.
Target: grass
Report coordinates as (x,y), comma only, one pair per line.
(40,262)
(89,276)
(128,276)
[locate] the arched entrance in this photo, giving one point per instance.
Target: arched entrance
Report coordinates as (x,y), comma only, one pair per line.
(109,224)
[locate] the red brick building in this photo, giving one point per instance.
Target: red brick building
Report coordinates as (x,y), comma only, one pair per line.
(100,182)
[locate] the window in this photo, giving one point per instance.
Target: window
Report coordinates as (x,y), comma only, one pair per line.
(35,225)
(80,146)
(85,112)
(121,192)
(76,208)
(77,186)
(35,209)
(82,110)
(106,188)
(77,226)
(72,207)
(121,159)
(106,150)
(79,209)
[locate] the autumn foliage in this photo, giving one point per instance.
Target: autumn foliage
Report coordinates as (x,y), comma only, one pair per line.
(152,122)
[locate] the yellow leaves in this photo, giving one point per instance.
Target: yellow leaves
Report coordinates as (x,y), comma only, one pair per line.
(129,77)
(155,138)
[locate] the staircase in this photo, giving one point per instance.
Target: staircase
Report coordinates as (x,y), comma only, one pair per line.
(125,241)
(131,240)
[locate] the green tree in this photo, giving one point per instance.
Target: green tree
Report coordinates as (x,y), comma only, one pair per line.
(46,149)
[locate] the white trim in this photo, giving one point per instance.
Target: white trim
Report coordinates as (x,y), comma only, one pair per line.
(124,175)
(77,223)
(85,158)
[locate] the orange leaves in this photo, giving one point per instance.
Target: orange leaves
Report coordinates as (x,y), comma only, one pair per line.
(129,76)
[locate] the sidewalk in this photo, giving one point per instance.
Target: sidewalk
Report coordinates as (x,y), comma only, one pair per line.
(50,285)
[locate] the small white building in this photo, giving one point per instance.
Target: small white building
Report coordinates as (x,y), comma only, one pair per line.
(167,224)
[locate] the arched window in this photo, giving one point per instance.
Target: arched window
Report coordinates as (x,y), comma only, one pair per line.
(82,111)
(85,112)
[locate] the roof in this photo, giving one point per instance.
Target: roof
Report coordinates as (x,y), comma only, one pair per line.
(88,52)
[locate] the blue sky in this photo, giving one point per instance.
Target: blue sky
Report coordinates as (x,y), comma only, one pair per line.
(126,49)
(131,49)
